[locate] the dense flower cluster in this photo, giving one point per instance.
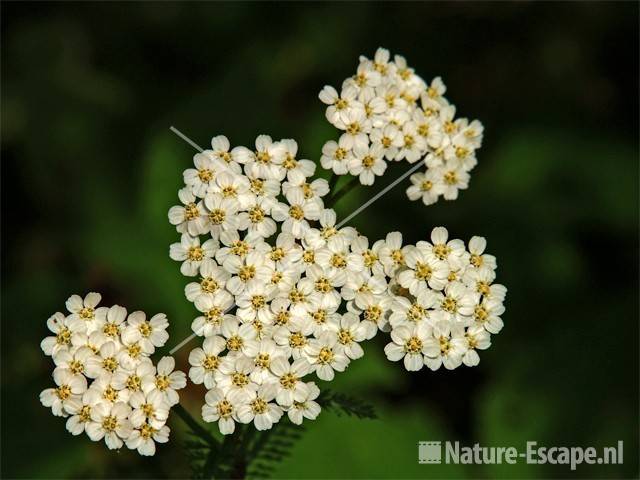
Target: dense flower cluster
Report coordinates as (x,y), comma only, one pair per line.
(388,113)
(106,384)
(446,304)
(283,294)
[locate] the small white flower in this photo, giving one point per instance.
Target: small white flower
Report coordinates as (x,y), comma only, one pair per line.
(61,327)
(367,162)
(336,155)
(111,422)
(290,386)
(426,186)
(424,271)
(69,386)
(259,408)
(200,179)
(222,407)
(234,374)
(206,360)
(213,310)
(79,410)
(326,357)
(446,346)
(213,279)
(349,331)
(296,213)
(105,362)
(240,337)
(221,214)
(339,105)
(150,408)
(188,218)
(409,343)
(144,437)
(167,381)
(191,253)
(307,407)
(73,360)
(85,314)
(150,333)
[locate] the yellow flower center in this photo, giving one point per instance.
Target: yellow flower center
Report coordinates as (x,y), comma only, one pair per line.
(256,214)
(134,383)
(63,337)
(162,382)
(372,313)
(195,254)
(240,248)
(247,272)
(63,392)
(423,271)
(297,340)
(111,330)
(441,251)
(282,318)
(258,406)
(296,212)
(210,363)
(110,364)
(262,360)
(450,178)
(235,343)
(110,423)
(191,211)
(208,285)
(239,379)
(217,216)
(323,285)
(413,345)
(288,381)
(205,175)
(258,302)
(345,337)
(225,409)
(449,305)
(325,356)
(338,261)
(76,367)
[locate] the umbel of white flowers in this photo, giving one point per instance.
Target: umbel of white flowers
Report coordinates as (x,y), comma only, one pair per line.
(388,113)
(106,383)
(285,295)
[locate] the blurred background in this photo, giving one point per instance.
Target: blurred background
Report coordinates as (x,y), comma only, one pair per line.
(90,168)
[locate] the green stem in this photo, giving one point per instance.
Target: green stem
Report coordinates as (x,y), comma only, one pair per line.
(342,192)
(333,181)
(194,425)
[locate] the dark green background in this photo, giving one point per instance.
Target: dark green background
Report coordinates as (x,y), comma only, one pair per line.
(90,169)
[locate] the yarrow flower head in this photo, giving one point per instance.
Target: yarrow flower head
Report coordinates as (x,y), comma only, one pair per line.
(283,294)
(388,113)
(106,382)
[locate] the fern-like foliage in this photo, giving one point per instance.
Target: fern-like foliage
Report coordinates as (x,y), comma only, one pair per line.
(249,453)
(342,404)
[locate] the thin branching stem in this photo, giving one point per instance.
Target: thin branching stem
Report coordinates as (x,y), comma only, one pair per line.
(194,425)
(342,192)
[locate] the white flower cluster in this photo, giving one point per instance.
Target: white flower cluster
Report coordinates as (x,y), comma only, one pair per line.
(106,384)
(388,113)
(446,304)
(284,294)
